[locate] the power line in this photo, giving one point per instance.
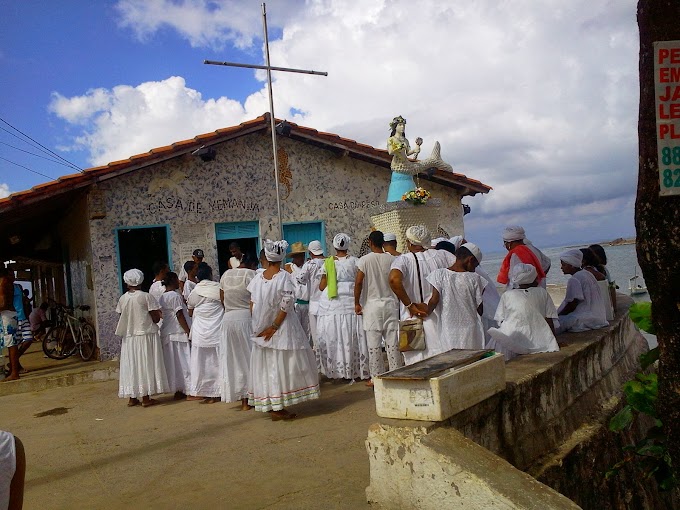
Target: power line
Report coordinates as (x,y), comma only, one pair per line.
(29,169)
(41,145)
(36,155)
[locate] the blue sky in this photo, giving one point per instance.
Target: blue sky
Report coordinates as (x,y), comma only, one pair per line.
(538,100)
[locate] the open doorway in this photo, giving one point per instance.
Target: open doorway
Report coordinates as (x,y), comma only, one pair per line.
(244,233)
(139,248)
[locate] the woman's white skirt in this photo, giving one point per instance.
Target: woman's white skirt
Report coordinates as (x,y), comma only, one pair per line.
(281,378)
(205,372)
(177,360)
(142,369)
(235,351)
(342,347)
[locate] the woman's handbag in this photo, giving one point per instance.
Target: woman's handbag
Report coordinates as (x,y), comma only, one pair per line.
(411,332)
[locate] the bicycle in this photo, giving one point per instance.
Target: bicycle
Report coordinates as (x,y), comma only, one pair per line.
(70,334)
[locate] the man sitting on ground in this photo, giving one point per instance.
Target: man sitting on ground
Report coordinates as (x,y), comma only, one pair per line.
(583,307)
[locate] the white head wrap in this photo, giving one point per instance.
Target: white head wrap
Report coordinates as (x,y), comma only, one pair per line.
(389,236)
(522,274)
(341,242)
(418,235)
(513,233)
(133,277)
(456,241)
(572,257)
(474,250)
(275,251)
(438,240)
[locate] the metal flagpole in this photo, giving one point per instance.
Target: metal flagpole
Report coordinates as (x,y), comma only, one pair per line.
(272,120)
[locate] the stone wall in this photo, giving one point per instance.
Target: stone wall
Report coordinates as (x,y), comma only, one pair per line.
(551,420)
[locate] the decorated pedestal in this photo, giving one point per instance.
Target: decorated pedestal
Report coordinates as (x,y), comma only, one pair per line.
(396,217)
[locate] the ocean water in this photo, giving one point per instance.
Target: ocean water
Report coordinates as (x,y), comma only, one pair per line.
(621,262)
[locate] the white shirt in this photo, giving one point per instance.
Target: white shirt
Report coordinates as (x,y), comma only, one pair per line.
(36,318)
(206,322)
(378,296)
(310,276)
(234,284)
(134,308)
(460,326)
(188,287)
(523,329)
(406,264)
(8,466)
(590,313)
(157,289)
(171,302)
(301,291)
(446,258)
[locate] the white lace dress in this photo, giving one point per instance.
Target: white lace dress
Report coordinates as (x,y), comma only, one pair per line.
(341,339)
(282,369)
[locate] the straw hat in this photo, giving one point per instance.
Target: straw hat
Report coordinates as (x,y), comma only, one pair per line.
(296,249)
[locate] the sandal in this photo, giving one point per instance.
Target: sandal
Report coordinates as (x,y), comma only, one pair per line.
(150,402)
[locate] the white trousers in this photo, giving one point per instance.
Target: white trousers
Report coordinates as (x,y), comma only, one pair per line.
(376,363)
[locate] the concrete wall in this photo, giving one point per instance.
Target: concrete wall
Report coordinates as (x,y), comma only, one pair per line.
(186,193)
(551,421)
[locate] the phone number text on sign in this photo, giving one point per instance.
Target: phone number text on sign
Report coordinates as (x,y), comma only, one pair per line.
(667,88)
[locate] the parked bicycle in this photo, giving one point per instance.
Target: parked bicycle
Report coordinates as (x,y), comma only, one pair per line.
(70,334)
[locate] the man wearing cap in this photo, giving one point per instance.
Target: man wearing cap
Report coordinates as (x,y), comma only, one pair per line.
(197,257)
(457,293)
(390,244)
(513,240)
(583,306)
(297,256)
(381,309)
(309,276)
(408,275)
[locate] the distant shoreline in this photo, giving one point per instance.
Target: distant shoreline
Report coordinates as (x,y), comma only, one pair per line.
(621,241)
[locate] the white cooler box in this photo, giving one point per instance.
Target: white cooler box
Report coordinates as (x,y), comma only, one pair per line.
(439,387)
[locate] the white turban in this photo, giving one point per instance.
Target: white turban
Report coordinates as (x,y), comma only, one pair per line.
(341,242)
(513,233)
(572,257)
(133,277)
(476,252)
(456,241)
(389,236)
(435,242)
(418,235)
(275,251)
(522,274)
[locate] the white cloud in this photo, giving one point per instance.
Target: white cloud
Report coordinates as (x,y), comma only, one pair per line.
(537,99)
(4,190)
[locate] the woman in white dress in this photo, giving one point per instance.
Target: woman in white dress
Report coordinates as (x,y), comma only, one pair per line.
(457,290)
(142,369)
(282,366)
(236,347)
(175,330)
(526,315)
(342,340)
(206,311)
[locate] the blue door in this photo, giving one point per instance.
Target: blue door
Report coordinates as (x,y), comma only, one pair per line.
(305,232)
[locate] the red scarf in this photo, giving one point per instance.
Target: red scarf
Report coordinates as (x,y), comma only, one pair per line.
(526,256)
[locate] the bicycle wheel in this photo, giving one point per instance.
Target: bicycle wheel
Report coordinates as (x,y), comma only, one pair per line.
(88,345)
(58,343)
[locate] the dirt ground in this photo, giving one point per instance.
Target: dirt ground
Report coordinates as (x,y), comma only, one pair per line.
(86,449)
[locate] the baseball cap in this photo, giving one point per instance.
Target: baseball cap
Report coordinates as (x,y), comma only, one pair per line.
(315,248)
(198,253)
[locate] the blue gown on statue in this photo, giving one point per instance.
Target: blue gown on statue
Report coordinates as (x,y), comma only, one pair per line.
(400,184)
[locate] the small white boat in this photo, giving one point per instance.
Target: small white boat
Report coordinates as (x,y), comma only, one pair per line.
(634,287)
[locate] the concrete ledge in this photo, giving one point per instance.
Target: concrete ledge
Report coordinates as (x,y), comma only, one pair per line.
(428,469)
(91,372)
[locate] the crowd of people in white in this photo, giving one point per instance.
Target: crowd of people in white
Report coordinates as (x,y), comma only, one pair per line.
(263,336)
